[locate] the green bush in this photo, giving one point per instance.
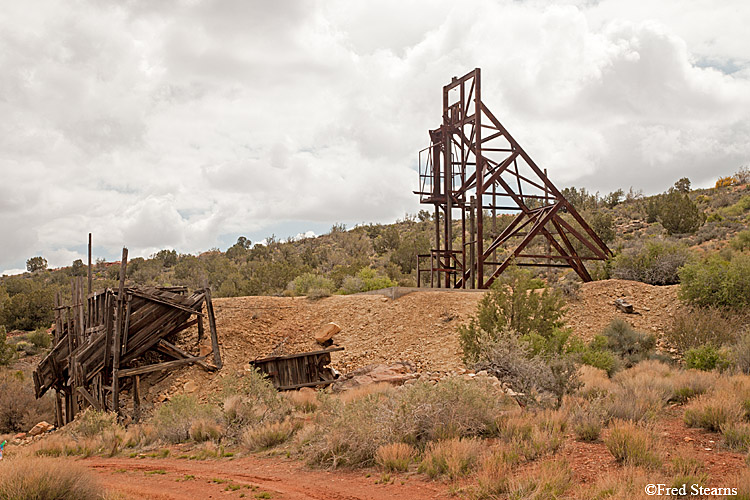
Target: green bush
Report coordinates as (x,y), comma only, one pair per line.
(630,345)
(310,283)
(174,418)
(741,242)
(7,351)
(655,262)
(699,326)
(513,303)
(717,282)
(678,214)
(706,358)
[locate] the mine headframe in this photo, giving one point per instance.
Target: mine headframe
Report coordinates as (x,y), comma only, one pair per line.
(508,210)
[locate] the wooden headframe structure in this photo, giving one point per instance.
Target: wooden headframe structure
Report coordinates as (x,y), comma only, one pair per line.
(103,339)
(473,165)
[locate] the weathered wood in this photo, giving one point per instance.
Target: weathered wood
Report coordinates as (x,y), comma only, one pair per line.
(58,410)
(306,384)
(154,298)
(177,353)
(298,355)
(129,372)
(118,335)
(90,276)
(212,327)
(136,398)
(88,397)
(305,369)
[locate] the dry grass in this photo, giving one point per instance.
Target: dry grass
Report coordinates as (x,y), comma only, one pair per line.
(587,420)
(395,456)
(453,458)
(268,435)
(712,411)
(736,436)
(363,391)
(550,481)
(631,444)
(627,483)
(532,436)
(205,429)
(595,382)
(26,478)
(304,400)
(493,474)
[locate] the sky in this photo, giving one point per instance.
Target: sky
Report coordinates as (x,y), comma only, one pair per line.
(185,124)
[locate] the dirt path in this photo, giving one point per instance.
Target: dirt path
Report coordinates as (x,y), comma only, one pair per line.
(249,477)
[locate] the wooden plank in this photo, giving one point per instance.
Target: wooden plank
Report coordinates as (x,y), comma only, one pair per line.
(129,372)
(127,324)
(58,410)
(136,398)
(298,355)
(306,384)
(212,327)
(118,336)
(165,302)
(177,353)
(88,397)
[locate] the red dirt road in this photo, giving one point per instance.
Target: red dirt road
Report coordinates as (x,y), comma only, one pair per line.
(249,477)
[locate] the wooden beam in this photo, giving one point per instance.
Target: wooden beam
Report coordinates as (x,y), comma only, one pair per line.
(136,398)
(88,397)
(212,327)
(117,347)
(129,372)
(153,298)
(177,353)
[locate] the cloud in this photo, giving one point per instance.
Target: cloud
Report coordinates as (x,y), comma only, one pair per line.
(181,124)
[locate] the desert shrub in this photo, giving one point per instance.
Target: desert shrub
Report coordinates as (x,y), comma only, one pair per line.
(513,303)
(603,224)
(309,283)
(19,408)
(630,444)
(654,262)
(91,422)
(741,242)
(46,479)
(452,408)
(741,353)
(174,419)
(349,434)
(587,420)
(595,382)
(269,435)
(454,458)
(551,480)
(597,354)
(7,351)
(303,400)
(395,456)
(365,280)
(699,326)
(706,358)
(713,410)
(738,209)
(717,281)
(493,475)
(40,338)
(536,378)
(29,308)
(250,400)
(630,345)
(678,214)
(736,435)
(639,393)
(531,437)
(687,384)
(205,429)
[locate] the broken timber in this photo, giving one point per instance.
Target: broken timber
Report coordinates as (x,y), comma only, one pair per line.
(101,341)
(293,371)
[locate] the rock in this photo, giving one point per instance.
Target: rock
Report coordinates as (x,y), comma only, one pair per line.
(482,373)
(41,428)
(327,333)
(19,436)
(397,374)
(624,306)
(204,350)
(190,386)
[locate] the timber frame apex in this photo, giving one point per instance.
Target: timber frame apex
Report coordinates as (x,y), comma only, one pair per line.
(474,166)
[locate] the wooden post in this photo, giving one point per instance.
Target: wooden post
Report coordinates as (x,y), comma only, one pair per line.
(201,331)
(127,325)
(117,347)
(90,275)
(212,328)
(136,398)
(58,321)
(58,410)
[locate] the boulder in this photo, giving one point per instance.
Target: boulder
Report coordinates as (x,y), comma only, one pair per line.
(327,333)
(41,428)
(19,436)
(396,374)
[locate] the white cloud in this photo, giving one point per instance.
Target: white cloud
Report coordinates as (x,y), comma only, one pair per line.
(175,124)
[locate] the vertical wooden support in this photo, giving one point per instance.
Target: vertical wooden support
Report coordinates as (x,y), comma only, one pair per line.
(117,347)
(126,327)
(201,331)
(58,320)
(212,328)
(137,398)
(90,275)
(109,311)
(59,422)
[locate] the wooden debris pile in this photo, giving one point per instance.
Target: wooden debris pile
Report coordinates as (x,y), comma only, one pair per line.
(106,341)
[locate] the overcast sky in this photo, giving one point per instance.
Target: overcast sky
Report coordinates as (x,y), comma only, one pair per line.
(184,124)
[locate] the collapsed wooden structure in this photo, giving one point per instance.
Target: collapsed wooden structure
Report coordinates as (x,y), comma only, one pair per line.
(293,371)
(104,343)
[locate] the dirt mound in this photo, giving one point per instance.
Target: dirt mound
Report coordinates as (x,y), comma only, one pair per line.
(419,327)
